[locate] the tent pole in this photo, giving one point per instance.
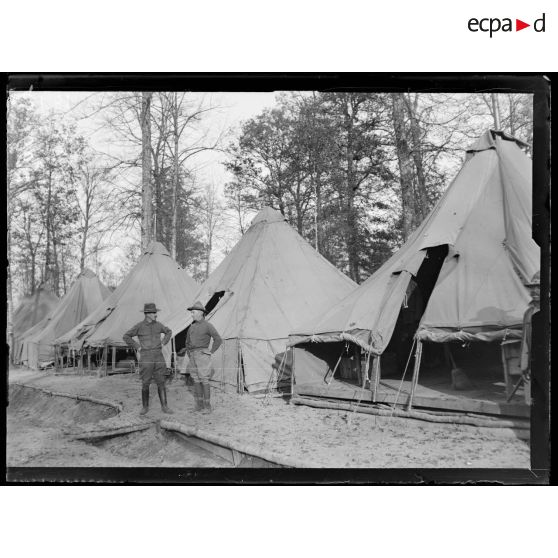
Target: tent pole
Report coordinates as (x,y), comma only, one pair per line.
(113,358)
(89,359)
(239,369)
(375,379)
(366,374)
(223,367)
(103,368)
(414,380)
(292,370)
(173,349)
(335,369)
(378,374)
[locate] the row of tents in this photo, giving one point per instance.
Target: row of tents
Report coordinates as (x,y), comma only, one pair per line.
(273,293)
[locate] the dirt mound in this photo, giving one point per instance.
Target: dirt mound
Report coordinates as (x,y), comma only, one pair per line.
(157,448)
(40,407)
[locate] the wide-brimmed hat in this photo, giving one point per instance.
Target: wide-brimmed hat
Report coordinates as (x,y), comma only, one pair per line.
(150,308)
(198,306)
(535,281)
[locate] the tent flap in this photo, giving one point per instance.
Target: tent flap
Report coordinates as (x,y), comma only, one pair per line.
(484,218)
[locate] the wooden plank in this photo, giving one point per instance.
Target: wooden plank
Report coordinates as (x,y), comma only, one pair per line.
(224,453)
(464,404)
(234,457)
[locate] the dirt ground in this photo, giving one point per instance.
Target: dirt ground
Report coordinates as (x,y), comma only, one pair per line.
(308,436)
(42,430)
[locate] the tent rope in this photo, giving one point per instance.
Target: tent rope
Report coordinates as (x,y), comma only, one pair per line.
(366,378)
(337,365)
(403,378)
(279,376)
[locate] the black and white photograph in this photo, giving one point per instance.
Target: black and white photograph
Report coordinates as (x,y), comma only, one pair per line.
(351,277)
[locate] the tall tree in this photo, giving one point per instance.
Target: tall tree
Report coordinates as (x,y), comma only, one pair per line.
(211,216)
(93,177)
(361,162)
(54,158)
(20,120)
(146,188)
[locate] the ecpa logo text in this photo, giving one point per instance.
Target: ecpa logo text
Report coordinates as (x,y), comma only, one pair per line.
(494,24)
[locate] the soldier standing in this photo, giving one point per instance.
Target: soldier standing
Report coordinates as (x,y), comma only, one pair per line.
(151,360)
(534,306)
(198,337)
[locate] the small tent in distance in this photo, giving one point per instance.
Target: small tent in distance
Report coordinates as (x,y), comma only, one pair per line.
(84,296)
(270,281)
(157,278)
(32,310)
(461,273)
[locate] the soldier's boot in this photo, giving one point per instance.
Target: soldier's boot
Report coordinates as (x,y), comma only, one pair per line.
(163,398)
(206,399)
(144,400)
(198,396)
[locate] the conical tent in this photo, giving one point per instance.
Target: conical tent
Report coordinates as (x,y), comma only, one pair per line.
(85,295)
(480,232)
(32,310)
(269,282)
(155,278)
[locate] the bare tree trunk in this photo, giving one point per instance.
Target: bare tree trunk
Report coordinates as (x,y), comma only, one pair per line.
(83,247)
(56,270)
(298,207)
(317,183)
(9,325)
(421,201)
(33,272)
(175,179)
(405,166)
(86,217)
(316,218)
(63,268)
(147,193)
(512,115)
(351,186)
(496,111)
(47,273)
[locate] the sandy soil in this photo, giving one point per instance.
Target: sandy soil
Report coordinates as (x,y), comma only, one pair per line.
(312,437)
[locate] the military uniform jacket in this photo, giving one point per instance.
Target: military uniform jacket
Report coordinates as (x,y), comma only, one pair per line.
(200,334)
(149,335)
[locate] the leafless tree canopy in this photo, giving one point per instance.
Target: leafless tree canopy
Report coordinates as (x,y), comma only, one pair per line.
(354,173)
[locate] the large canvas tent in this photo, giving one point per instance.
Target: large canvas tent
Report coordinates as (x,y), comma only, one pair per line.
(469,258)
(155,278)
(270,281)
(32,310)
(84,296)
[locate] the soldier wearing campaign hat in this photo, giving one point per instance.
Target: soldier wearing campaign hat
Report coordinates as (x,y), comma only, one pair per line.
(151,360)
(199,335)
(533,286)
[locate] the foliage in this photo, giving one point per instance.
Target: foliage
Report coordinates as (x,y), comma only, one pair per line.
(353,172)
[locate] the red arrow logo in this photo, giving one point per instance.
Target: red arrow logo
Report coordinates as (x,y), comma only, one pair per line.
(519,25)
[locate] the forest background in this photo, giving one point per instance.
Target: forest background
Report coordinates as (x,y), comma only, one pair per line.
(93,177)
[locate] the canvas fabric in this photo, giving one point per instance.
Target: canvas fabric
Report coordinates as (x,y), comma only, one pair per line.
(155,278)
(31,311)
(484,217)
(86,294)
(273,280)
